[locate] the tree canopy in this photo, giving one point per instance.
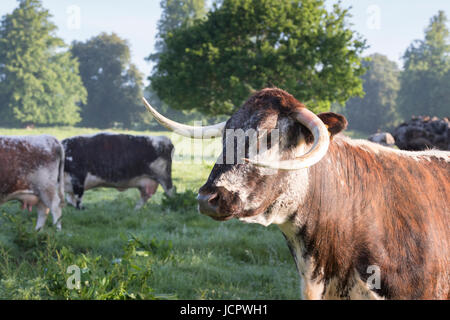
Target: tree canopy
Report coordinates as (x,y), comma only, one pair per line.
(39,80)
(113,83)
(244,45)
(377,109)
(425,81)
(176,14)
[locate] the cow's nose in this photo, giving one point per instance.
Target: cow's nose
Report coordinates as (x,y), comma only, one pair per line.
(206,203)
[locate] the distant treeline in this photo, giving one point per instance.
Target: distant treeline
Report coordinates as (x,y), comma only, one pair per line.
(206,63)
(393,95)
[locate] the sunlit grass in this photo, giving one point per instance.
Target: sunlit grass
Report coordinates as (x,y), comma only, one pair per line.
(194,256)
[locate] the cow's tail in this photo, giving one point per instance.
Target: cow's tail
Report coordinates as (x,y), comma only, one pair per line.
(61,175)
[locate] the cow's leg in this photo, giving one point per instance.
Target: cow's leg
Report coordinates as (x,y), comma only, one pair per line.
(68,189)
(147,190)
(78,198)
(42,211)
(50,199)
(70,198)
(56,215)
(74,188)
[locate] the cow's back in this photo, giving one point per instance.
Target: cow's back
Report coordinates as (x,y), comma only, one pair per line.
(21,156)
(419,189)
(113,157)
(403,220)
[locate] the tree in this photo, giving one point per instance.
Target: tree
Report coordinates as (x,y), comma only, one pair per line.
(377,109)
(425,85)
(176,14)
(245,45)
(39,81)
(113,83)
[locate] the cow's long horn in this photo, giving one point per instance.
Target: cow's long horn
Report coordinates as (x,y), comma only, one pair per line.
(197,132)
(314,155)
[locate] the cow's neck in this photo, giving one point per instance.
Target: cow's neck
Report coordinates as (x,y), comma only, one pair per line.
(325,237)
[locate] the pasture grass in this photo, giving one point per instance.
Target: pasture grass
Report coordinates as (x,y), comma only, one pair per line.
(165,250)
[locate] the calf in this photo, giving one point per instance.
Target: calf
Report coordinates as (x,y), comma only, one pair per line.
(118,161)
(31,171)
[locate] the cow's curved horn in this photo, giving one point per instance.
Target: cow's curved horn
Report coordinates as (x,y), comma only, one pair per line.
(314,155)
(197,132)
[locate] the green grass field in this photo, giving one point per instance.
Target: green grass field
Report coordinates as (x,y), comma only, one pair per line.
(166,250)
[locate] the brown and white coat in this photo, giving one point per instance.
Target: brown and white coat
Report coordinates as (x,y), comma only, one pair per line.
(361,206)
(31,171)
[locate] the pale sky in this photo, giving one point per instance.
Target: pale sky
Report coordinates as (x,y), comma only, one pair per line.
(388,25)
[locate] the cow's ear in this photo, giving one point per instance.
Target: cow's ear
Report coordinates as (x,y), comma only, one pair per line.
(335,122)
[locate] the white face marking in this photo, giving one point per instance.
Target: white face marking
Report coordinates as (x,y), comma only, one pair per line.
(233,182)
(295,186)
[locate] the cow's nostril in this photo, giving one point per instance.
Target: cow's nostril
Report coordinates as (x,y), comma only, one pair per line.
(214,199)
(208,199)
(207,203)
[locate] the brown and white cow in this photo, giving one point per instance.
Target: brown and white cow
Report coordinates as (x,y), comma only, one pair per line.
(32,172)
(362,221)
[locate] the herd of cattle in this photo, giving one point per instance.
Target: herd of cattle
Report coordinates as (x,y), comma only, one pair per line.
(38,170)
(423,133)
(419,133)
(345,206)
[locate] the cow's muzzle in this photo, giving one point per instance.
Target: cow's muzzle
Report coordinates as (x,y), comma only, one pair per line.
(207,205)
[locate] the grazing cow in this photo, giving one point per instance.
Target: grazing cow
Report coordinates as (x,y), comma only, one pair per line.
(383,138)
(421,133)
(32,171)
(118,161)
(362,221)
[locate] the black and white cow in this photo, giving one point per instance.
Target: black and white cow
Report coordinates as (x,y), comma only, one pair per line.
(32,171)
(118,161)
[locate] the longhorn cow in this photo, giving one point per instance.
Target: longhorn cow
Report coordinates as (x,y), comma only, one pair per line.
(347,208)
